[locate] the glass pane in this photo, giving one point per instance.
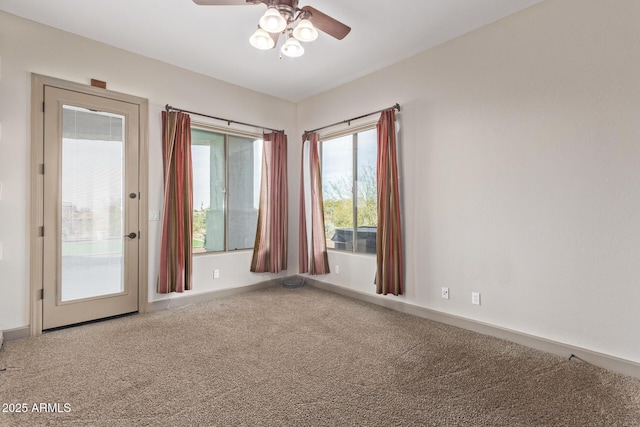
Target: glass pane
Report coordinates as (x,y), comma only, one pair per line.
(209,183)
(337,192)
(367,214)
(245,165)
(92,203)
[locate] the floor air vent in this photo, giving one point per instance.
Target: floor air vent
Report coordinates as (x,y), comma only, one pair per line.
(293,282)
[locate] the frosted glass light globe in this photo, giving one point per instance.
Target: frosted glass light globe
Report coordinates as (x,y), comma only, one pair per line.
(272,21)
(292,48)
(261,40)
(305,32)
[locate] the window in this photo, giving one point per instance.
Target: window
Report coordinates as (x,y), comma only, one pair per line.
(350,222)
(226,190)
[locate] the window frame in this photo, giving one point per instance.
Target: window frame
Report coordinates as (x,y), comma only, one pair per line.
(353,132)
(226,133)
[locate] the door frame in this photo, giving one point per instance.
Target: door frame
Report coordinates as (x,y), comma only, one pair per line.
(36,241)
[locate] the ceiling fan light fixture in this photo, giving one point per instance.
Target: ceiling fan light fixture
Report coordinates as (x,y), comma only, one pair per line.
(261,40)
(272,21)
(305,31)
(292,48)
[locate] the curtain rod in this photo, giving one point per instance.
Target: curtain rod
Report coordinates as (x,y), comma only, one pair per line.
(169,108)
(397,107)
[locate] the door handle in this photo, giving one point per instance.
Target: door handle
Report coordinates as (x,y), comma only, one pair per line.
(131,235)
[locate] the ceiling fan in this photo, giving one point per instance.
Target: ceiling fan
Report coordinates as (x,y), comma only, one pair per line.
(283,17)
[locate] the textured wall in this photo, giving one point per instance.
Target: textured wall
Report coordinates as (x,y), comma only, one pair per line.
(519,159)
(27,47)
(519,162)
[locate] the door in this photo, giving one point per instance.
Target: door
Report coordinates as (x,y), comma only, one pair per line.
(91,198)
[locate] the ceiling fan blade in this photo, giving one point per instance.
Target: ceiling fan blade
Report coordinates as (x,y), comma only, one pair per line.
(225,2)
(326,23)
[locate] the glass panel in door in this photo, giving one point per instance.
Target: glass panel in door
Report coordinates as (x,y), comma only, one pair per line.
(93,197)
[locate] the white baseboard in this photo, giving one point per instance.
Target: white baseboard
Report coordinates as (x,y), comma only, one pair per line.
(615,364)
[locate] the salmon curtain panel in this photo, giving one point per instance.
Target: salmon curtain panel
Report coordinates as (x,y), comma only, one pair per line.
(317,261)
(270,248)
(389,275)
(177,218)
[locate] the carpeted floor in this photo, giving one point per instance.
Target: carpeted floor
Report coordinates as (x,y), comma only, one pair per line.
(299,357)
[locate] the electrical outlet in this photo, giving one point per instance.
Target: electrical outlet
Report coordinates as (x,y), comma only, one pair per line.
(337,269)
(475,298)
(216,274)
(445,293)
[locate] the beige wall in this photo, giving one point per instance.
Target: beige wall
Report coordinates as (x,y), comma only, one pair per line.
(519,160)
(27,47)
(520,154)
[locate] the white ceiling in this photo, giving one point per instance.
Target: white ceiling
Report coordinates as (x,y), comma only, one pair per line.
(214,40)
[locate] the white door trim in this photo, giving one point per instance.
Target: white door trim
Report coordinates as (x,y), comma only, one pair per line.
(38,82)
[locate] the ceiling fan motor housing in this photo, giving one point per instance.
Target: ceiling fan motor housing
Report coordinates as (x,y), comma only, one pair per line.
(287,8)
